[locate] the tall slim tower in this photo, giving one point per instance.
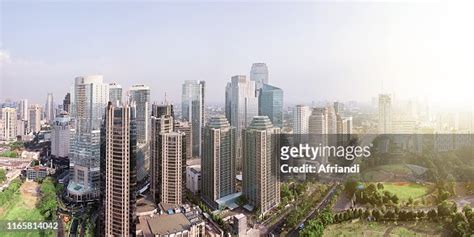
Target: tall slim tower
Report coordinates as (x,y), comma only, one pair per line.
(218,161)
(193,111)
(260,167)
(171,190)
(301,115)
(67,103)
(115,93)
(90,98)
(140,95)
(34,118)
(259,74)
(60,136)
(49,108)
(120,171)
(385,114)
(23,109)
(9,123)
(270,103)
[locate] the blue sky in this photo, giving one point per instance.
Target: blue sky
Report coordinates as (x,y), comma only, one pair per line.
(315,51)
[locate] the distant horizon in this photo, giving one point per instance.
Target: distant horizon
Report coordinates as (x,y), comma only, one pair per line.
(314,51)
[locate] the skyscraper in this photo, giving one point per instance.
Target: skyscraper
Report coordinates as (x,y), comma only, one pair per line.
(331,120)
(34,118)
(185,128)
(140,95)
(260,167)
(115,93)
(193,111)
(67,103)
(301,115)
(9,124)
(270,103)
(241,105)
(23,109)
(339,108)
(259,74)
(90,95)
(60,136)
(171,190)
(120,172)
(218,161)
(385,114)
(49,108)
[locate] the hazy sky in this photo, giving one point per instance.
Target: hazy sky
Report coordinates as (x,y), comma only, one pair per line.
(314,51)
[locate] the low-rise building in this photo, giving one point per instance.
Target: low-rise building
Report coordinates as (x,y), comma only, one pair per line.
(172,224)
(36,173)
(193,178)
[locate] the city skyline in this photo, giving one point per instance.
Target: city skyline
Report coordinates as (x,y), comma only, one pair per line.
(383,53)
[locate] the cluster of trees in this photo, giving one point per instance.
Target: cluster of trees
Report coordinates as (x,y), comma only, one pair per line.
(304,205)
(290,192)
(3,175)
(48,204)
(8,193)
(372,194)
(459,223)
(11,154)
(315,227)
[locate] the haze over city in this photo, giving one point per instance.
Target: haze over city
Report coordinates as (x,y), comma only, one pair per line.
(314,51)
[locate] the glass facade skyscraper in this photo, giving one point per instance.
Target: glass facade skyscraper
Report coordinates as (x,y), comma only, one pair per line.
(140,96)
(192,106)
(259,74)
(270,103)
(90,95)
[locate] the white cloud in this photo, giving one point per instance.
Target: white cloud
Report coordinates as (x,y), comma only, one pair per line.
(4,56)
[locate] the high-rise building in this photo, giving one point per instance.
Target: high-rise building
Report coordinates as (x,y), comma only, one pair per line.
(49,108)
(21,127)
(270,103)
(167,161)
(158,110)
(259,74)
(9,118)
(90,96)
(385,114)
(260,169)
(119,197)
(60,136)
(301,115)
(218,161)
(185,128)
(339,108)
(192,106)
(140,95)
(331,120)
(23,109)
(241,105)
(34,118)
(115,93)
(172,185)
(67,103)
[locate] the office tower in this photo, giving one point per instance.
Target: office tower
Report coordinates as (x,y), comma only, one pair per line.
(140,94)
(60,136)
(218,161)
(385,114)
(339,108)
(270,103)
(21,127)
(301,115)
(241,105)
(9,124)
(317,121)
(193,111)
(331,120)
(67,103)
(259,74)
(23,109)
(158,110)
(34,118)
(344,129)
(115,93)
(260,164)
(120,173)
(49,108)
(90,96)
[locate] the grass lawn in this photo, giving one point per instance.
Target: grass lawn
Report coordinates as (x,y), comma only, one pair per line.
(22,208)
(367,229)
(406,190)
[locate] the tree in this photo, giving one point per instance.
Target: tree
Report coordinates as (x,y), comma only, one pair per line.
(432,214)
(380,186)
(314,229)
